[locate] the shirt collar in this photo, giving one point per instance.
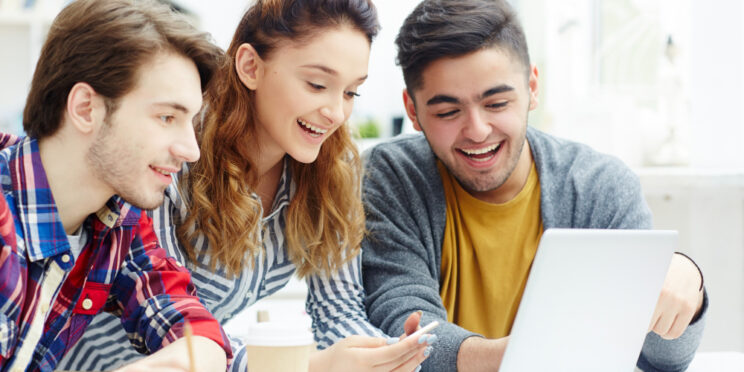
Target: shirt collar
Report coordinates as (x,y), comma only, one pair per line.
(284,191)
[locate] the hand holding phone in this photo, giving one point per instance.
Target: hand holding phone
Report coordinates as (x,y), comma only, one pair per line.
(423,330)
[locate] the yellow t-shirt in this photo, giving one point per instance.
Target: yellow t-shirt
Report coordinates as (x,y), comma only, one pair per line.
(487,253)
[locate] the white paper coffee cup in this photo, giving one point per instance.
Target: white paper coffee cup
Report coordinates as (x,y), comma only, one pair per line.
(274,346)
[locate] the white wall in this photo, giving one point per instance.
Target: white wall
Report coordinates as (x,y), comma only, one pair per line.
(717,82)
(570,105)
(382,93)
(218,17)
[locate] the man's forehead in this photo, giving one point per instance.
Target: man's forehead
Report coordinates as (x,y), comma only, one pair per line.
(471,76)
(169,80)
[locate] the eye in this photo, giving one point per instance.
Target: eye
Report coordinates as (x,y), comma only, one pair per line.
(315,86)
(447,114)
(167,119)
(351,94)
(497,105)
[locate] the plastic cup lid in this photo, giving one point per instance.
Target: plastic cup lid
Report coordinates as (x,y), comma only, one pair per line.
(278,334)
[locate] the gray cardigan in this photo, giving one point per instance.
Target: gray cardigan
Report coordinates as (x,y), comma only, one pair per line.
(406,216)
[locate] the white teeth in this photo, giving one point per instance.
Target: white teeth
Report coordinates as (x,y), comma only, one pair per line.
(312,127)
(481,151)
(161,171)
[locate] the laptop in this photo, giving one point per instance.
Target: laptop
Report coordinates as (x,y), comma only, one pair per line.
(589,299)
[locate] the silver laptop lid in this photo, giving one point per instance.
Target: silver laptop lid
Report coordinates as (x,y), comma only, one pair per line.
(589,300)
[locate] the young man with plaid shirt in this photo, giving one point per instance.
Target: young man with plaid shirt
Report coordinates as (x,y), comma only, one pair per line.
(108,118)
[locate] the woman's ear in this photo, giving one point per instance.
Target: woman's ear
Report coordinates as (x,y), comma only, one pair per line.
(248,65)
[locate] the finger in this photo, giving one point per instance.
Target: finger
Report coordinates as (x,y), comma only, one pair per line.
(396,363)
(676,330)
(680,324)
(685,313)
(654,320)
(413,322)
(665,324)
(414,361)
(364,341)
(390,353)
(656,316)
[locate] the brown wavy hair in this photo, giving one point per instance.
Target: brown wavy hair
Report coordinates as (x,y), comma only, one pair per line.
(325,219)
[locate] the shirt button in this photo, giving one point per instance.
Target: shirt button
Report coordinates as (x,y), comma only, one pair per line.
(66,258)
(87,304)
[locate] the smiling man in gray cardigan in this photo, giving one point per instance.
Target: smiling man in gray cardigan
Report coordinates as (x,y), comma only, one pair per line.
(454,216)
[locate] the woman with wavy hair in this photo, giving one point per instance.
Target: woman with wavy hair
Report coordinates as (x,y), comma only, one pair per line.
(277,189)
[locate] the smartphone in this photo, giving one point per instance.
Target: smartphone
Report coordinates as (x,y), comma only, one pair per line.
(423,330)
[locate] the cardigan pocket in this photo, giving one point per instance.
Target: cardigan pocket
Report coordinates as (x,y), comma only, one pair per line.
(8,336)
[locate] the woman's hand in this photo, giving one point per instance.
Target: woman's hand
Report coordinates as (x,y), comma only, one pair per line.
(363,353)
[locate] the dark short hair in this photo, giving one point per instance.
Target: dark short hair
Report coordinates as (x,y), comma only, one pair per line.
(452,28)
(104,44)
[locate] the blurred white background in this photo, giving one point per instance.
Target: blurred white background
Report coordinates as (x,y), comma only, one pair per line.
(658,83)
(655,82)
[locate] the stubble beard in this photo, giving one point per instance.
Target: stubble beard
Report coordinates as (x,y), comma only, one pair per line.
(114,163)
(491,179)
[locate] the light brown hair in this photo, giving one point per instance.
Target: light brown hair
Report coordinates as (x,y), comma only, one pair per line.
(325,219)
(103,44)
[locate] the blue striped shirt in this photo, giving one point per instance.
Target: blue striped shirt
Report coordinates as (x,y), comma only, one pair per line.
(335,303)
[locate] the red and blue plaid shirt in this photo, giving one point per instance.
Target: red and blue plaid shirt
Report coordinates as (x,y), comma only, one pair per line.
(48,297)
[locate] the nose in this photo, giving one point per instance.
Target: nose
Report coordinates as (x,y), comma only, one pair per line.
(186,148)
(334,112)
(477,127)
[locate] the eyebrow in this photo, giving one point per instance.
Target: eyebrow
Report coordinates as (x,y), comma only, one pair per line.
(325,69)
(173,105)
(330,71)
(496,90)
(443,98)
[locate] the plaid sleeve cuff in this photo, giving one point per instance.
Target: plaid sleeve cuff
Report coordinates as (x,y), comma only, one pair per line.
(210,329)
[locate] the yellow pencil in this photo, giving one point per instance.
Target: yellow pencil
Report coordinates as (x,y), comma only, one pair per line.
(187,332)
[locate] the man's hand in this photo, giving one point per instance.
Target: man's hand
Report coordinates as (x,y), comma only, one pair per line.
(208,357)
(478,354)
(681,299)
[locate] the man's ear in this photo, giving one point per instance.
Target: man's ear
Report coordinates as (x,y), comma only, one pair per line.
(533,87)
(248,65)
(85,109)
(411,109)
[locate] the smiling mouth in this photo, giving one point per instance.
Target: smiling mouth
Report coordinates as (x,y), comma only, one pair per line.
(161,171)
(312,130)
(482,154)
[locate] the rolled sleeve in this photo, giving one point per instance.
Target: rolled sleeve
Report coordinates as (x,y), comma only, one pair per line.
(155,296)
